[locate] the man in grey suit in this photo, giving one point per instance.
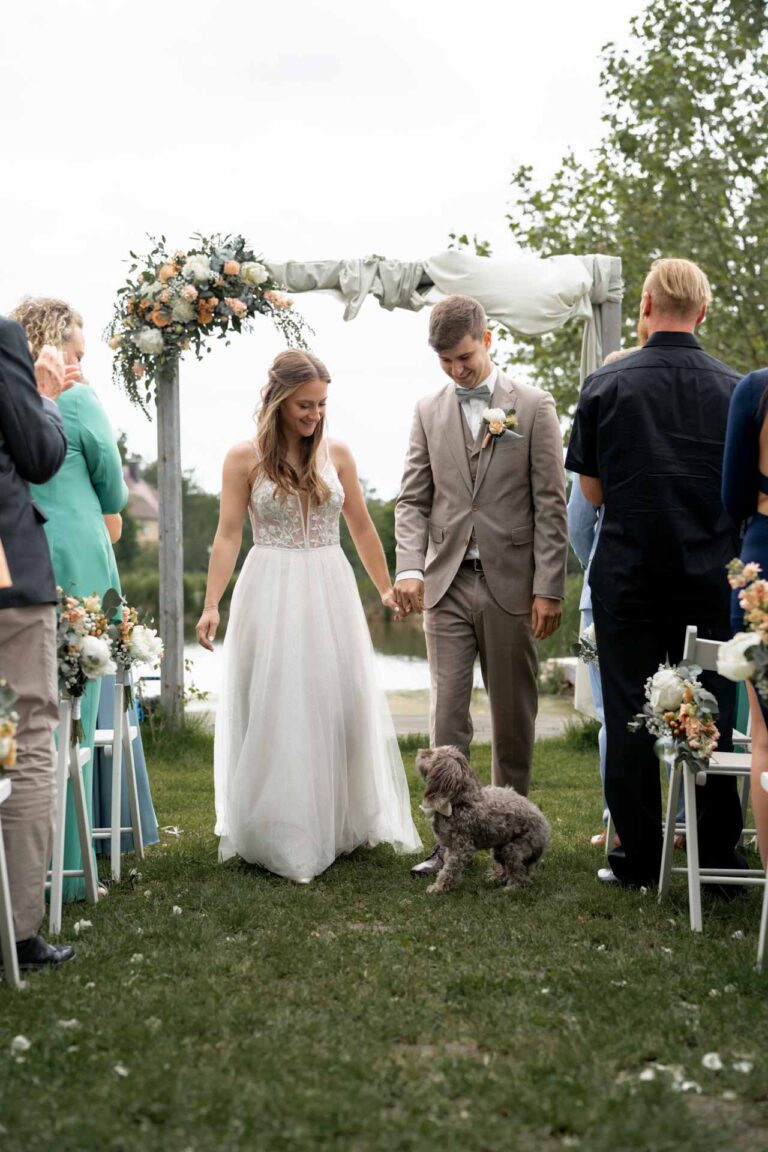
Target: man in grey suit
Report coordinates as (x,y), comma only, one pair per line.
(32,449)
(482,540)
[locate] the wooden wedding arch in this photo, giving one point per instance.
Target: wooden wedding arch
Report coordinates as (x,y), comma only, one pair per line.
(526,294)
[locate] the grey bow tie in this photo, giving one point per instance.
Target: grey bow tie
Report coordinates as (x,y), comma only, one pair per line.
(482,392)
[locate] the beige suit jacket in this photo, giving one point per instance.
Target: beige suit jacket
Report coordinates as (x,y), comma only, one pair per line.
(516,505)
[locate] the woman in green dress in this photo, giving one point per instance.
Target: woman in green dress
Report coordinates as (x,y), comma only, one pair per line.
(89,486)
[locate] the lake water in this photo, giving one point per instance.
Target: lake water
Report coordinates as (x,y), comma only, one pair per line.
(401,663)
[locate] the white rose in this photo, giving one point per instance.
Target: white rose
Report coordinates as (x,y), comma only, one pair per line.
(149,340)
(197,268)
(253,272)
(182,312)
(95,657)
(732,660)
(494,415)
(666,691)
(146,646)
(149,289)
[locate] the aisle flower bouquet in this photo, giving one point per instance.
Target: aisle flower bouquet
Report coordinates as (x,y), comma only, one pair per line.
(745,657)
(9,720)
(133,643)
(83,648)
(173,301)
(680,712)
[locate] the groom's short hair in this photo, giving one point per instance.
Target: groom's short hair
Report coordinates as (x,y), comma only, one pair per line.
(678,287)
(453,319)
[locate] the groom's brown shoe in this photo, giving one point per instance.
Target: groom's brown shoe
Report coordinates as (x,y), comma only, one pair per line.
(432,864)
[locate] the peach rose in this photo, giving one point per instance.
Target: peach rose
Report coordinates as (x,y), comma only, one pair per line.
(237,307)
(159,318)
(189,293)
(167,272)
(115,342)
(138,370)
(278,299)
(231,268)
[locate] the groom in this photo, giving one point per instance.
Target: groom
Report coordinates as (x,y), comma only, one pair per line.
(482,541)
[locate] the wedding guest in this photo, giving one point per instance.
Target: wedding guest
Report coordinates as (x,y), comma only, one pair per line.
(647,441)
(32,449)
(482,541)
(745,493)
(306,764)
(87,488)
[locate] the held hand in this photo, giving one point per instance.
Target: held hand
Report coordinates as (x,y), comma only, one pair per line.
(50,373)
(390,601)
(207,627)
(546,616)
(410,595)
(72,375)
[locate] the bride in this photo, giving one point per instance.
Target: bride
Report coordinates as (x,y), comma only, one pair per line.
(306,763)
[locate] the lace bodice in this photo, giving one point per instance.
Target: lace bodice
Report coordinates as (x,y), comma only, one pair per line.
(278,520)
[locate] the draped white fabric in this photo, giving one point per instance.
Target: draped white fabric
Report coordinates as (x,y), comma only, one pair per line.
(524,293)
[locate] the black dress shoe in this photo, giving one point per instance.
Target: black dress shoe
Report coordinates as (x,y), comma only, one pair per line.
(37,953)
(432,864)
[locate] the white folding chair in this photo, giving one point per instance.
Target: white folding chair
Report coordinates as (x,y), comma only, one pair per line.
(119,740)
(70,760)
(736,764)
(763,933)
(7,935)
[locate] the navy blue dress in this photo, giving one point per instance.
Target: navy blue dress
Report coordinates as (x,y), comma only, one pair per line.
(742,478)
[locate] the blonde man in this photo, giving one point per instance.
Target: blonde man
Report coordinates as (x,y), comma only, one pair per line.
(647,441)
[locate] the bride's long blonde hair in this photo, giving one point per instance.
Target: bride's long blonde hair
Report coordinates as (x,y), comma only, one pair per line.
(289,371)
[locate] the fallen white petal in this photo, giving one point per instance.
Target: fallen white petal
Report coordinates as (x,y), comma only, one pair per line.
(667,951)
(137,958)
(68,1025)
(713,993)
(647,1074)
(712,1062)
(729,988)
(20,1044)
(737,935)
(82,926)
(729,1095)
(176,910)
(744,1066)
(120,1070)
(690,1086)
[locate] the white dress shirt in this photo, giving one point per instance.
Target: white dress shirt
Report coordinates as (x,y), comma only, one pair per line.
(472,411)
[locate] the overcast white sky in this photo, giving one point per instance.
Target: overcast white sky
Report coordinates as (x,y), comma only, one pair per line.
(317,128)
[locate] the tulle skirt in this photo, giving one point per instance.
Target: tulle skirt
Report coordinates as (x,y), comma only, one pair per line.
(306,762)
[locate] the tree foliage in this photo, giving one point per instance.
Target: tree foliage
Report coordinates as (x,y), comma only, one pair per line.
(680,171)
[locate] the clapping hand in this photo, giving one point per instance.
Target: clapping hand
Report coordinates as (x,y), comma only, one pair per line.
(50,374)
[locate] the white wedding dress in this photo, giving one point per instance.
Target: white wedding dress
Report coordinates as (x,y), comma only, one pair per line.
(306,762)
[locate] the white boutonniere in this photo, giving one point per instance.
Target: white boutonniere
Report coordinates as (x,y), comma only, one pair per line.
(500,423)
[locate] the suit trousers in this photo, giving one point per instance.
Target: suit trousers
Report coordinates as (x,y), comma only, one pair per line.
(631,651)
(465,623)
(28,663)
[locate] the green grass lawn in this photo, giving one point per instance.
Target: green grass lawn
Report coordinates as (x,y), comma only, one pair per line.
(360,1014)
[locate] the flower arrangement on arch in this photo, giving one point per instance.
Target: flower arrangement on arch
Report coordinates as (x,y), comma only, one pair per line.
(745,656)
(9,720)
(680,711)
(173,301)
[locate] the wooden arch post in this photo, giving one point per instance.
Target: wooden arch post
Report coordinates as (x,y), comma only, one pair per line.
(171,545)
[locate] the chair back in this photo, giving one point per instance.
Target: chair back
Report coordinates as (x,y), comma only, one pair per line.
(701,652)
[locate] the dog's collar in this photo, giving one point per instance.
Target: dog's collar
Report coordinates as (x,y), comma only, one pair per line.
(440,805)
